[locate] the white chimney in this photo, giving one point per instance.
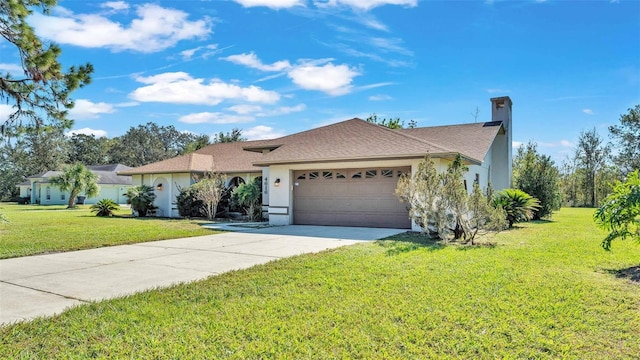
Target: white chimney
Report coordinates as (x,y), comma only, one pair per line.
(501,111)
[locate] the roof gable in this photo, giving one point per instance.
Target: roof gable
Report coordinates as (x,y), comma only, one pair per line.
(348,140)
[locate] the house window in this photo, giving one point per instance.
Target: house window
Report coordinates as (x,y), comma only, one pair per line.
(327,174)
(62,196)
(477,179)
(370,174)
(387,173)
(465,185)
(48,193)
(313,175)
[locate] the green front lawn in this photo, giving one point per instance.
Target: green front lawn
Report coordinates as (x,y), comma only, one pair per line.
(546,290)
(35,229)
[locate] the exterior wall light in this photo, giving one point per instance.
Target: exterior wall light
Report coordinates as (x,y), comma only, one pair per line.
(277,182)
(159,187)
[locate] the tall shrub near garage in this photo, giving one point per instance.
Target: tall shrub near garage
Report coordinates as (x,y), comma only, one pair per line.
(209,190)
(441,206)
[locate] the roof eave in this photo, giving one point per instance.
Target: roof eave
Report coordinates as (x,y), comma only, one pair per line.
(446,155)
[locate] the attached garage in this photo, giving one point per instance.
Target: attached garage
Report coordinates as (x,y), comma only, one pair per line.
(349,197)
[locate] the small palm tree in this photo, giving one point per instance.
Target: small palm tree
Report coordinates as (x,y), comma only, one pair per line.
(76,179)
(517,204)
(141,199)
(104,207)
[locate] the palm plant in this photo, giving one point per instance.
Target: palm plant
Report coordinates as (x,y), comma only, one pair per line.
(104,207)
(76,179)
(141,199)
(517,204)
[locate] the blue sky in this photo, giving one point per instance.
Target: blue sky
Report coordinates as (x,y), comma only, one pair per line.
(275,67)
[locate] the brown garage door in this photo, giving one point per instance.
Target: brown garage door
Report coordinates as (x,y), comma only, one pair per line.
(351,197)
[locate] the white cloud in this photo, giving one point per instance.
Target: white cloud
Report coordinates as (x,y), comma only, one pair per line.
(5,111)
(516,144)
(262,132)
(274,4)
(209,50)
(214,118)
(181,88)
(115,5)
(252,61)
(588,111)
(390,45)
(244,109)
(566,143)
(380,97)
(85,109)
(13,69)
(331,79)
(155,29)
(87,131)
(366,4)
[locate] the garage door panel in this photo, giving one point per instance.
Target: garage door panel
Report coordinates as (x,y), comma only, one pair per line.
(351,201)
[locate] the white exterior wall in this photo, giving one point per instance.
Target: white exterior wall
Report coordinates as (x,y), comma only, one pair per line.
(38,194)
(166,198)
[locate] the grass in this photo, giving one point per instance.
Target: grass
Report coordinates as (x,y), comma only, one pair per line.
(545,290)
(34,229)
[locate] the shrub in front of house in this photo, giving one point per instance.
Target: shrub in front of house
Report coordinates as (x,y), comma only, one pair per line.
(104,207)
(188,205)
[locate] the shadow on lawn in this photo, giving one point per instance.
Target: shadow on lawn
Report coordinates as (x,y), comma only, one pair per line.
(409,241)
(632,274)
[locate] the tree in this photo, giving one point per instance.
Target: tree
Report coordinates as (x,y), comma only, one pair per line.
(537,175)
(41,94)
(32,152)
(390,123)
(149,143)
(76,179)
(105,207)
(517,204)
(620,213)
(440,205)
(141,198)
(88,149)
(249,195)
(233,136)
(209,190)
(627,136)
(591,155)
(197,144)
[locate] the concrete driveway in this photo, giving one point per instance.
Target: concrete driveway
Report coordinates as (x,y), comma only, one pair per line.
(44,285)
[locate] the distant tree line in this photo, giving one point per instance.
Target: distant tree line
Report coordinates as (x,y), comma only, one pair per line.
(30,151)
(586,177)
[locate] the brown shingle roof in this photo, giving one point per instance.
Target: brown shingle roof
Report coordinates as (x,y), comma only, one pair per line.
(357,139)
(471,140)
(349,140)
(224,157)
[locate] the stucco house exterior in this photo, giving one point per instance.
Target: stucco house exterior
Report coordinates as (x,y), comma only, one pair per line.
(111,186)
(342,174)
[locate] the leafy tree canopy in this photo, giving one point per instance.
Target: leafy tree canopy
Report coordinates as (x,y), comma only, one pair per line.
(232,136)
(391,123)
(620,213)
(149,143)
(537,175)
(627,136)
(40,95)
(76,179)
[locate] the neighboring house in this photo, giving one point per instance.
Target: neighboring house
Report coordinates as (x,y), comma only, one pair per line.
(342,174)
(112,186)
